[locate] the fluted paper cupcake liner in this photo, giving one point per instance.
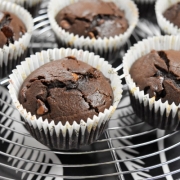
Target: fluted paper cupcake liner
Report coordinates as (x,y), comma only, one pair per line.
(64,136)
(158,114)
(105,47)
(31,5)
(12,54)
(166,26)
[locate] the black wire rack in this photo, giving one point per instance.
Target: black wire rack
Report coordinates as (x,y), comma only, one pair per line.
(128,149)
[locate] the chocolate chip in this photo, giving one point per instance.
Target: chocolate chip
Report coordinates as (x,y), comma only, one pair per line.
(41,107)
(91,34)
(65,24)
(71,57)
(7,31)
(76,77)
(33,79)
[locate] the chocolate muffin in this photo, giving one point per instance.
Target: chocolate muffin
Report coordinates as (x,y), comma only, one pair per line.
(93,18)
(158,74)
(12,28)
(173,14)
(66,90)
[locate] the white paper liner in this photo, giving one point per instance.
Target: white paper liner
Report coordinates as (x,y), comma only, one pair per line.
(156,113)
(105,47)
(13,54)
(64,136)
(166,26)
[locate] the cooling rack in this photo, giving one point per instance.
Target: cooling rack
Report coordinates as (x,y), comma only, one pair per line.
(129,149)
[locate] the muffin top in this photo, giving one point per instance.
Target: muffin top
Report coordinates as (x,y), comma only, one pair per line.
(66,90)
(93,18)
(12,28)
(173,14)
(158,74)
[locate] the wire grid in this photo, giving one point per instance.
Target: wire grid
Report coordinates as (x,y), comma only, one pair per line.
(116,136)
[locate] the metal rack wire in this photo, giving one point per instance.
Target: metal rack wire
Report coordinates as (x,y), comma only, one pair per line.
(130,144)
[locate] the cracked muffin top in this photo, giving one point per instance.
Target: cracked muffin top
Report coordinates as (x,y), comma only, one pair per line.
(158,74)
(173,14)
(11,28)
(66,90)
(93,18)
